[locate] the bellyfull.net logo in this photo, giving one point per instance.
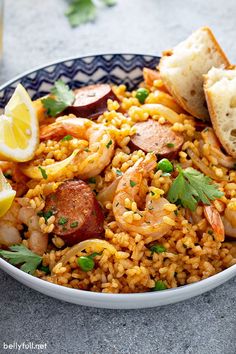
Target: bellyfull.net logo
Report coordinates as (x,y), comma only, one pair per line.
(24,346)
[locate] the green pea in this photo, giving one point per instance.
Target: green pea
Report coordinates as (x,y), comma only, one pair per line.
(159,285)
(165,165)
(142,94)
(86,263)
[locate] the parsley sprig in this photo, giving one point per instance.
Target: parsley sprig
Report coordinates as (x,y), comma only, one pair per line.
(20,254)
(191,187)
(82,11)
(61,97)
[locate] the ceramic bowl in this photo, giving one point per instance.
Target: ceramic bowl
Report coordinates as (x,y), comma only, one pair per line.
(117,69)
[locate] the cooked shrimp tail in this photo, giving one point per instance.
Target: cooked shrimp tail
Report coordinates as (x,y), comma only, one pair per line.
(213,217)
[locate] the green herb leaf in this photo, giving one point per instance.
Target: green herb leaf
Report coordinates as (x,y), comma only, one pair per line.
(53,106)
(62,98)
(109,144)
(45,214)
(170,145)
(192,186)
(43,172)
(132,183)
(21,254)
(202,184)
(157,248)
(81,11)
(74,224)
(67,138)
(62,220)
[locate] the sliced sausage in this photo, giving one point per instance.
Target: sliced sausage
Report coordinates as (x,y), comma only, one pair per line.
(91,101)
(78,214)
(159,138)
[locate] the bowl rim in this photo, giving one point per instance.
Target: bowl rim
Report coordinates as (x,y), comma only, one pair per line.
(91,295)
(62,60)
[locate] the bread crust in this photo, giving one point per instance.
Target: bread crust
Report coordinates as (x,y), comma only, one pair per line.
(219,49)
(214,120)
(176,93)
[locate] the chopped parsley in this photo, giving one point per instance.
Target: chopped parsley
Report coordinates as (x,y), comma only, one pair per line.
(62,220)
(45,214)
(67,138)
(132,183)
(43,172)
(109,144)
(170,145)
(74,224)
(157,248)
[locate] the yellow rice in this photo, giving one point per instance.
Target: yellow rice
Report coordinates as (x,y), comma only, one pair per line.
(191,253)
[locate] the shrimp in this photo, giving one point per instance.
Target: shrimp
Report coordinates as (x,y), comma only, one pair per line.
(100,149)
(210,138)
(37,241)
(229,219)
(9,232)
(213,217)
(11,223)
(152,222)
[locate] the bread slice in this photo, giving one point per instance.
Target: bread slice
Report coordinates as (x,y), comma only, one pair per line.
(182,69)
(220,91)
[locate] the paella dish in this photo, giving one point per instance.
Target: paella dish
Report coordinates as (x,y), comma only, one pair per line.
(124,191)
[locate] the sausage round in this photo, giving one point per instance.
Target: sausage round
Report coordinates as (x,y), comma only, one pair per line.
(78,215)
(91,101)
(159,138)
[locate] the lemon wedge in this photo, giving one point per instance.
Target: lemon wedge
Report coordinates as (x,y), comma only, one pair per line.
(19,131)
(7,195)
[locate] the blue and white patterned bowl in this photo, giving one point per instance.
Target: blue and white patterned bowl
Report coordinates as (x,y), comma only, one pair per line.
(117,69)
(77,72)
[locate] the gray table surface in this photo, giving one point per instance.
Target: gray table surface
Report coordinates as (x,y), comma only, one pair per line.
(36,32)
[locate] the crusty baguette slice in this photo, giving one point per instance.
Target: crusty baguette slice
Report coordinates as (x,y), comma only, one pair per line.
(220,92)
(182,69)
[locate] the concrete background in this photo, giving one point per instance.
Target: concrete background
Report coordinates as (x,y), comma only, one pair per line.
(36,32)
